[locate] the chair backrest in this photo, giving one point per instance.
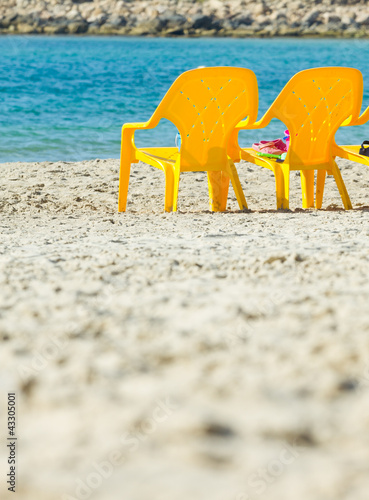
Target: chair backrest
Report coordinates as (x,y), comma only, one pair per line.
(313,105)
(205,105)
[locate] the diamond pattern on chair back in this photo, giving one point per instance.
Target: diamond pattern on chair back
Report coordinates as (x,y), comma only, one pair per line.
(205,105)
(313,105)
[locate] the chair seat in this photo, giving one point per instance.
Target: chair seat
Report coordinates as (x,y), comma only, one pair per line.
(351,153)
(157,156)
(352,149)
(262,161)
(270,163)
(165,154)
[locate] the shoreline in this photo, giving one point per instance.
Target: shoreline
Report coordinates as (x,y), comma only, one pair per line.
(186,18)
(307,36)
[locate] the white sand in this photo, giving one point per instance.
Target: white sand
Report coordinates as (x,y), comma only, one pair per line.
(223,356)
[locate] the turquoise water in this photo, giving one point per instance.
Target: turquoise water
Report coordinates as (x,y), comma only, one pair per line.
(66,98)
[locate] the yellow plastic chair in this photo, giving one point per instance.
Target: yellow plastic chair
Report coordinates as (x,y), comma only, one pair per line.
(352,152)
(205,105)
(312,105)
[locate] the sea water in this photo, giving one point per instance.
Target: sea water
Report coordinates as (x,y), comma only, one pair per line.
(66,98)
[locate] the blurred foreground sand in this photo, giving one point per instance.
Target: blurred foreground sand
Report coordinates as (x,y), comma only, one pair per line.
(188,355)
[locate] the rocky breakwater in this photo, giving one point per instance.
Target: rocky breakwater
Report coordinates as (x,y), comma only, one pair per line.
(239,18)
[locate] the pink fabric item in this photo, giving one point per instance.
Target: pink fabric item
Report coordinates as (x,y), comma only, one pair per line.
(275,147)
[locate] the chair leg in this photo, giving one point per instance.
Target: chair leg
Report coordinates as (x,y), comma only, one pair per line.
(282,184)
(218,183)
(320,181)
(242,203)
(125,169)
(169,188)
(224,188)
(307,188)
(176,174)
(341,186)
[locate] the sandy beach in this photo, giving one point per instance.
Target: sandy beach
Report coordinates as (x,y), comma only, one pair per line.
(190,355)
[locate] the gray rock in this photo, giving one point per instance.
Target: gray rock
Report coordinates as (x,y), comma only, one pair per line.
(244,28)
(263,20)
(116,21)
(174,32)
(77,27)
(333,18)
(260,8)
(311,17)
(7,20)
(154,25)
(172,21)
(242,19)
(333,26)
(26,29)
(363,19)
(56,29)
(226,24)
(201,21)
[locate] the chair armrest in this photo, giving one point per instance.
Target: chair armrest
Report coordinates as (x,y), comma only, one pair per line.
(234,150)
(262,123)
(128,131)
(363,118)
(139,126)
